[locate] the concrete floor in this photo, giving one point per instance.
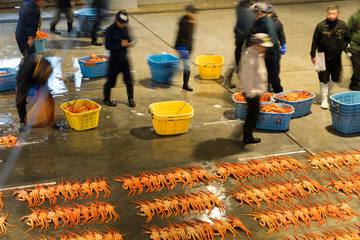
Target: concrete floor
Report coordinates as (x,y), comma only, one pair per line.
(125,142)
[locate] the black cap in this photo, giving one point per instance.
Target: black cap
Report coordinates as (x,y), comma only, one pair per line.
(191,9)
(122,16)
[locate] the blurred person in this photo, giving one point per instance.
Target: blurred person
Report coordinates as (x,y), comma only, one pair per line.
(245,19)
(34,72)
(263,24)
(100,6)
(27,25)
(184,42)
(117,41)
(63,7)
(279,27)
(252,74)
(331,37)
(354,28)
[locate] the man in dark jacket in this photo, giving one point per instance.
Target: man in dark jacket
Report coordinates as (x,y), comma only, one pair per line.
(100,6)
(263,24)
(34,72)
(354,27)
(27,25)
(331,37)
(279,27)
(117,41)
(245,19)
(184,42)
(63,7)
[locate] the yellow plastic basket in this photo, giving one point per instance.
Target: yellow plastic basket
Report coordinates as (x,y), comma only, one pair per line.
(171,118)
(82,121)
(210,66)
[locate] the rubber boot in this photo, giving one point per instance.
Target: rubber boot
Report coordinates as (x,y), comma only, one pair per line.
(249,138)
(228,78)
(53,30)
(70,27)
(130,93)
(107,94)
(186,78)
(324,92)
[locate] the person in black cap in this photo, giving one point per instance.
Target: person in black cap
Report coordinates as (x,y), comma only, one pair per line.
(184,42)
(117,41)
(27,25)
(65,7)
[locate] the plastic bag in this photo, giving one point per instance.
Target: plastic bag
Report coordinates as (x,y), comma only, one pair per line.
(320,62)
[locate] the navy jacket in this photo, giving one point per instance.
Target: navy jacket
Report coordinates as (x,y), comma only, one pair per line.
(113,37)
(63,4)
(245,19)
(28,22)
(266,25)
(185,34)
(99,4)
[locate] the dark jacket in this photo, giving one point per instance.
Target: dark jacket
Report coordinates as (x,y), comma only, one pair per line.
(354,28)
(185,33)
(279,27)
(245,19)
(28,22)
(113,37)
(64,4)
(266,25)
(330,37)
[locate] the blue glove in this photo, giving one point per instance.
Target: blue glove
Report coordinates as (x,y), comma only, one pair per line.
(283,49)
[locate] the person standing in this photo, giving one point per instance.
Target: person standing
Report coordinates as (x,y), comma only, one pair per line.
(27,25)
(354,28)
(331,37)
(245,19)
(252,74)
(63,7)
(117,41)
(184,42)
(263,24)
(100,6)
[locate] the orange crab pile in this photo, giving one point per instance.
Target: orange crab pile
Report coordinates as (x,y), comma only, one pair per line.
(275,108)
(2,73)
(91,235)
(41,35)
(4,223)
(96,59)
(348,186)
(156,181)
(8,141)
(67,190)
(180,205)
(70,216)
(197,229)
(330,161)
(338,234)
(275,219)
(264,98)
(274,192)
(269,167)
(78,108)
(295,96)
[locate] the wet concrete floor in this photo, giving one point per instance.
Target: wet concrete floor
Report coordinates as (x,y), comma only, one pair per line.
(125,143)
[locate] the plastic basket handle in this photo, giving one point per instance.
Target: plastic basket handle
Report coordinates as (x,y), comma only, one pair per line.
(335,106)
(278,121)
(210,65)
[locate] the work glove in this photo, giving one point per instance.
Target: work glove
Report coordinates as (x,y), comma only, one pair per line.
(283,49)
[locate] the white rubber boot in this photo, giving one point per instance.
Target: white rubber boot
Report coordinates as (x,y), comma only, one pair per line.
(324,92)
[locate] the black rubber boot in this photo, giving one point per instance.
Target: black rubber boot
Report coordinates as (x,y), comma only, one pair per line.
(130,93)
(53,30)
(249,138)
(70,27)
(96,43)
(107,101)
(186,78)
(131,103)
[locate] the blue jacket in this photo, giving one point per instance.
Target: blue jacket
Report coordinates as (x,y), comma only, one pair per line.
(29,21)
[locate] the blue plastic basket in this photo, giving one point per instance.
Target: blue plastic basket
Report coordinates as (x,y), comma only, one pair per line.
(40,45)
(163,67)
(346,102)
(275,121)
(302,108)
(8,81)
(96,70)
(86,18)
(241,108)
(346,123)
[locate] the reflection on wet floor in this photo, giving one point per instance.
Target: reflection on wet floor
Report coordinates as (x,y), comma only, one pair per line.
(78,75)
(56,83)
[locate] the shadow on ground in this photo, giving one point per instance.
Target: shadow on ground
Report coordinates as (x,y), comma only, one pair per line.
(66,44)
(331,130)
(149,83)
